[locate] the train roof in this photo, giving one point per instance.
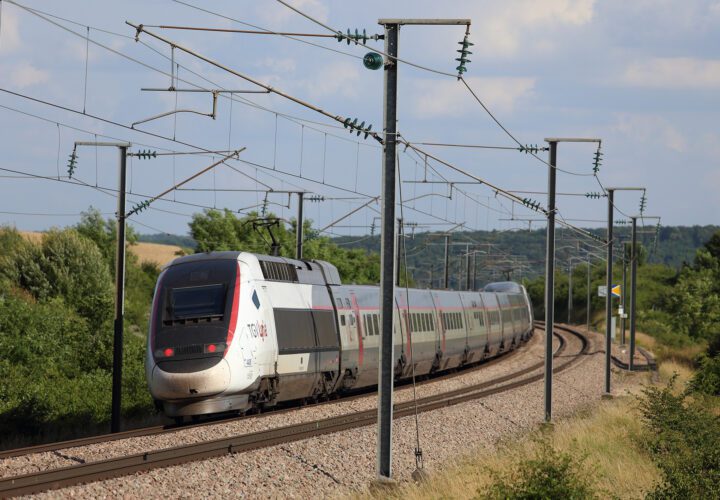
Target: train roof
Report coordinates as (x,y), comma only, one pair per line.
(274,268)
(504,287)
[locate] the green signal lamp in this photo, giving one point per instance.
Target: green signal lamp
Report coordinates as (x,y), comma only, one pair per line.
(373,60)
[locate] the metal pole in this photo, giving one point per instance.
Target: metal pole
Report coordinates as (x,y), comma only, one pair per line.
(467,267)
(446,284)
(633,294)
(387,257)
(119,299)
(608,297)
(570,292)
(550,281)
(589,296)
(398,254)
(623,294)
(474,277)
(299,246)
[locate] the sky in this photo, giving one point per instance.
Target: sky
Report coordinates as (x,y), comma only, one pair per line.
(642,75)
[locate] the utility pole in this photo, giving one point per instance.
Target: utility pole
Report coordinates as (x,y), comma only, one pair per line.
(570,291)
(398,251)
(119,282)
(387,256)
(467,267)
(550,268)
(550,279)
(446,282)
(608,294)
(474,276)
(299,245)
(387,241)
(608,282)
(633,281)
(635,254)
(589,296)
(622,295)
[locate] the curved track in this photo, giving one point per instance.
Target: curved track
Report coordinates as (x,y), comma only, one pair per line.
(169,428)
(120,466)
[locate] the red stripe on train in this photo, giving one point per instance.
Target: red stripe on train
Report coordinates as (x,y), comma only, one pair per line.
(234,313)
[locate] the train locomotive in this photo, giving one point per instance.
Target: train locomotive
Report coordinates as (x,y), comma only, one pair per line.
(234,331)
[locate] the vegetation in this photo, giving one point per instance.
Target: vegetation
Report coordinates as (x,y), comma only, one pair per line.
(663,443)
(682,436)
(548,473)
(216,230)
(56,330)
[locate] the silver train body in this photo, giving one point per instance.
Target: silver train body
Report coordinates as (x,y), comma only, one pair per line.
(233,330)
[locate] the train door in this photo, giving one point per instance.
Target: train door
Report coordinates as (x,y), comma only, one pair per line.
(476,338)
(468,306)
(439,324)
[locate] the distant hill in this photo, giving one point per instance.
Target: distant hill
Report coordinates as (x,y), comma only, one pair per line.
(425,251)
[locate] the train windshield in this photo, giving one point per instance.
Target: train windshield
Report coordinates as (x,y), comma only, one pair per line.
(207,301)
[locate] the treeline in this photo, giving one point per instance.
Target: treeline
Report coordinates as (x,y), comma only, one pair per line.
(56,324)
(676,306)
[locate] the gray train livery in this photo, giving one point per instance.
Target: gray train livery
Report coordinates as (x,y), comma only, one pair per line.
(233,331)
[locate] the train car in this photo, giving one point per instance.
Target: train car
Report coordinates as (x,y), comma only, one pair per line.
(231,331)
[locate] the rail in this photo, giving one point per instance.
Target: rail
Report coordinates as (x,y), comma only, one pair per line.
(120,466)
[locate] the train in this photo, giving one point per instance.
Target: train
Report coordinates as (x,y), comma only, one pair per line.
(235,331)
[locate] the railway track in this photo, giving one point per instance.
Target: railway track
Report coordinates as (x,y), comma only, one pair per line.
(170,428)
(121,466)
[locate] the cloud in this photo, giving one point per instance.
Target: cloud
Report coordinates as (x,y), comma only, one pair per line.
(279,15)
(504,28)
(283,65)
(336,80)
(674,73)
(650,129)
(27,75)
(10,32)
(433,98)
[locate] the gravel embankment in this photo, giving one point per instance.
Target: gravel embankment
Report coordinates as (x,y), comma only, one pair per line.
(338,464)
(527,355)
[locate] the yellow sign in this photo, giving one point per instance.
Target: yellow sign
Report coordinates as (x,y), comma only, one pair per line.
(616,291)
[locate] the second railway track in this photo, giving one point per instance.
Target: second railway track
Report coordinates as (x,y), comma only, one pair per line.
(124,465)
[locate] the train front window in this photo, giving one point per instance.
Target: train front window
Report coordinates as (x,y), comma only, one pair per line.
(207,301)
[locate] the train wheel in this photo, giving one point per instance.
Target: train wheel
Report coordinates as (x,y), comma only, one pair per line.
(179,420)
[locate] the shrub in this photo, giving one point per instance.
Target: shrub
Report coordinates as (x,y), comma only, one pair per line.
(683,438)
(548,474)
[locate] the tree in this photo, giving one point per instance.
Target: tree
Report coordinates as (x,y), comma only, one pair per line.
(103,232)
(215,230)
(68,265)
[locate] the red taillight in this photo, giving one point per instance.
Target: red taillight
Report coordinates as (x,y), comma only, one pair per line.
(169,352)
(213,348)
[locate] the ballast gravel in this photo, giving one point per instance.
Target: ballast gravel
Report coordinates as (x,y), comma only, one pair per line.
(343,463)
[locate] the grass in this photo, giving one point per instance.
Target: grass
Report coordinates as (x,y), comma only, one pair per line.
(607,435)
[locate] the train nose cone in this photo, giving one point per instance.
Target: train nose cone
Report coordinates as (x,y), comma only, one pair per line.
(214,380)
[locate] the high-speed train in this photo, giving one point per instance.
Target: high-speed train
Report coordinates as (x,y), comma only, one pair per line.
(232,331)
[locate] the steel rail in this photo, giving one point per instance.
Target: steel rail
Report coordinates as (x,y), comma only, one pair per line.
(286,407)
(121,466)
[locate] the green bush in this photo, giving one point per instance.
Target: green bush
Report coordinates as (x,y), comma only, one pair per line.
(683,438)
(707,377)
(549,474)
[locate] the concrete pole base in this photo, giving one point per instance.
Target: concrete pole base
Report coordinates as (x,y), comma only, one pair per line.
(547,427)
